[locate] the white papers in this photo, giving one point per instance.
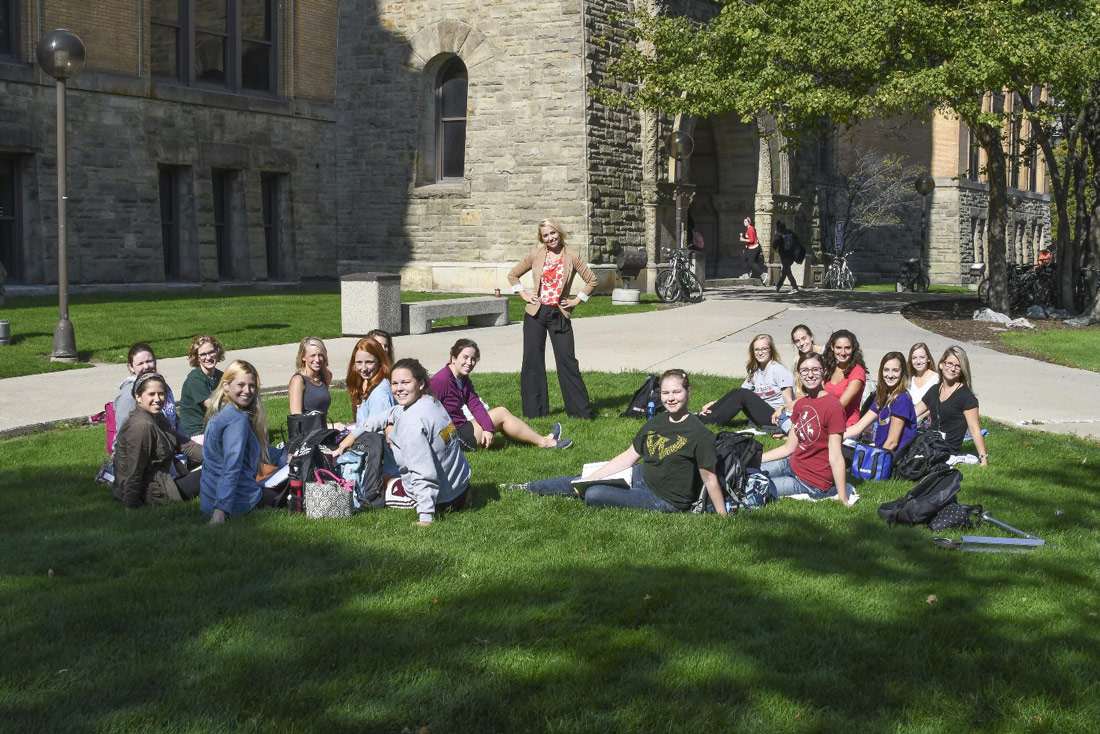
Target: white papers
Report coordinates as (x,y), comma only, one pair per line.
(618,479)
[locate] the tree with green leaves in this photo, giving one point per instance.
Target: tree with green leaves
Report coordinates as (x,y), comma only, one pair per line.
(804,61)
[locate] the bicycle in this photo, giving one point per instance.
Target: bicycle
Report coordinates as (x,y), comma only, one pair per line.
(1026,285)
(838,276)
(911,277)
(678,282)
(1084,286)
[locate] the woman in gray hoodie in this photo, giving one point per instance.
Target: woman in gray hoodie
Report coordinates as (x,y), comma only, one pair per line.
(425,443)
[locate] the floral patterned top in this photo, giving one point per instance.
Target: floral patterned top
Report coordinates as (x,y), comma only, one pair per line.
(553,280)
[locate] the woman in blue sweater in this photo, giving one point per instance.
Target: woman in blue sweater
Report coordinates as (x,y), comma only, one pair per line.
(235,444)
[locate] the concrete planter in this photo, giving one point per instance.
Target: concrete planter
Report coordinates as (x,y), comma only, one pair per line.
(625,296)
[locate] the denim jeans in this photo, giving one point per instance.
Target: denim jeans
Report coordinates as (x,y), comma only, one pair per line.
(639,496)
(786,483)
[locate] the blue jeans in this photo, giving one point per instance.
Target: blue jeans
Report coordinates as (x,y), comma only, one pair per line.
(639,496)
(786,483)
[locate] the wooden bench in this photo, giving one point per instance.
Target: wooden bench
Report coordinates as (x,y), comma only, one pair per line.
(417,317)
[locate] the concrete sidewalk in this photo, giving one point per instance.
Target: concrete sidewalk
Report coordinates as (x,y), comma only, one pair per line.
(709,337)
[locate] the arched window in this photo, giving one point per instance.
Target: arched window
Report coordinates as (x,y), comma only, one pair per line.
(451,120)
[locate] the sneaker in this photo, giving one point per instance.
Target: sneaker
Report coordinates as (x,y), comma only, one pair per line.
(561,443)
(777,289)
(764,278)
(555,432)
(794,291)
(743,276)
(519,487)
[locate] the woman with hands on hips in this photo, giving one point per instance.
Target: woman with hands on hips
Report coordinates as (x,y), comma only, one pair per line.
(552,266)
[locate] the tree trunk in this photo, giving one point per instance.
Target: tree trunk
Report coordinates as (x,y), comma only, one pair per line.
(989,138)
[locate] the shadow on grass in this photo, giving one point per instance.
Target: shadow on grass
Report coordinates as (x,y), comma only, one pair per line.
(275,622)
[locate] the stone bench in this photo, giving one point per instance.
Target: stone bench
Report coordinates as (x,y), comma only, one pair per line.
(416,318)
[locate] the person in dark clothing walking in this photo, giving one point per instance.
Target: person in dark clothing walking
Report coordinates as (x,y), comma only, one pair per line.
(549,308)
(785,243)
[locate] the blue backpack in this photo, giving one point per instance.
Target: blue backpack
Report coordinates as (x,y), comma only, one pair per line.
(361,466)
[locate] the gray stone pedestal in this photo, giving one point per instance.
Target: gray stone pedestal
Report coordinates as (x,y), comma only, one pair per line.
(370,301)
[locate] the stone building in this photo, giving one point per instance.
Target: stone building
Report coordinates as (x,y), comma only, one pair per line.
(199,141)
(259,140)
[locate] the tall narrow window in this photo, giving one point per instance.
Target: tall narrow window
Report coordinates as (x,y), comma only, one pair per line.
(9,22)
(170,221)
(974,160)
(269,195)
(257,50)
(221,190)
(166,30)
(451,131)
(211,23)
(11,241)
(1014,152)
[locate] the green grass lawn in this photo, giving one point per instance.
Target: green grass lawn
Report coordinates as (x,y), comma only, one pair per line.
(541,614)
(1076,348)
(890,288)
(107,324)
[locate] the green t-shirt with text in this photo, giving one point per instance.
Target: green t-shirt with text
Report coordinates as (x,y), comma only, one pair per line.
(671,456)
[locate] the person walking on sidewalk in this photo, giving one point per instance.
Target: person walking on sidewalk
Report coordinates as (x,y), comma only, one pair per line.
(752,260)
(786,244)
(549,308)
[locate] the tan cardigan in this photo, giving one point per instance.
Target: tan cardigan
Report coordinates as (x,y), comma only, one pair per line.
(572,264)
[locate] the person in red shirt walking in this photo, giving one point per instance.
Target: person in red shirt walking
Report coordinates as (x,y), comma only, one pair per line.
(810,462)
(752,260)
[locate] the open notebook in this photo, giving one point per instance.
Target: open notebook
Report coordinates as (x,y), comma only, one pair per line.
(618,479)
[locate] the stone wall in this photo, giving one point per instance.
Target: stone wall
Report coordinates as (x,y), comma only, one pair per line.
(616,217)
(525,154)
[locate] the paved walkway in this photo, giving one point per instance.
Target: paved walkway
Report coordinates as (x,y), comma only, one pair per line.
(709,337)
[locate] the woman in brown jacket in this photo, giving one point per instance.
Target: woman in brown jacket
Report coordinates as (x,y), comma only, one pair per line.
(146,448)
(548,310)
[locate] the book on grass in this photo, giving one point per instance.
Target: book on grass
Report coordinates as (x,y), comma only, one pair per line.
(618,479)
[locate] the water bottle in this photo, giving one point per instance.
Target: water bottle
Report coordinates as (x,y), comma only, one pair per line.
(650,409)
(294,501)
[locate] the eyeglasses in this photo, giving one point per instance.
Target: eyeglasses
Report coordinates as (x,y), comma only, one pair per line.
(207,355)
(951,365)
(762,350)
(807,371)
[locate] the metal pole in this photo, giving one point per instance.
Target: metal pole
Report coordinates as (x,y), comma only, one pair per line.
(679,200)
(64,339)
(923,237)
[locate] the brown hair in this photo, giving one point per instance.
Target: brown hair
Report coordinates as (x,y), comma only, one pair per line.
(679,375)
(466,344)
(196,345)
(884,395)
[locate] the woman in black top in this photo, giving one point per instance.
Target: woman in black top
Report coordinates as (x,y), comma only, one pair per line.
(952,407)
(677,454)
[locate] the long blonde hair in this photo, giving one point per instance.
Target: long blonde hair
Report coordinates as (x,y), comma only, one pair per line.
(256,416)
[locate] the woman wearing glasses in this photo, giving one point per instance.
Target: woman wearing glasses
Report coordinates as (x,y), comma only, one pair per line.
(767,391)
(205,353)
(810,462)
(952,407)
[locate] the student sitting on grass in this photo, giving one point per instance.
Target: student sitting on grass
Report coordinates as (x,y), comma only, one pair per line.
(476,423)
(811,462)
(141,360)
(308,388)
(952,407)
(845,372)
(425,443)
(678,458)
(891,408)
(146,468)
(205,353)
(235,444)
(768,389)
(369,390)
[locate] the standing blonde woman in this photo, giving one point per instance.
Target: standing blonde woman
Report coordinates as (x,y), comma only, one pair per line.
(235,443)
(308,389)
(552,265)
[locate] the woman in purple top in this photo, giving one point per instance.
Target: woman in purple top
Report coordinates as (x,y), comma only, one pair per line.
(892,408)
(477,424)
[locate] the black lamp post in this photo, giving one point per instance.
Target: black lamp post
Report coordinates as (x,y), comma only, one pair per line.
(925,185)
(61,55)
(679,146)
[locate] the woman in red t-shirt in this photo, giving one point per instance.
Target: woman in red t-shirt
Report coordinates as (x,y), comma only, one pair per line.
(810,462)
(845,372)
(752,261)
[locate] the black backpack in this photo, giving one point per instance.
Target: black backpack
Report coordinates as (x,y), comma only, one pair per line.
(924,501)
(736,453)
(926,451)
(650,391)
(304,454)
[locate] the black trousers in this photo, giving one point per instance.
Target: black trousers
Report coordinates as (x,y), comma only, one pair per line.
(726,408)
(752,262)
(786,274)
(536,401)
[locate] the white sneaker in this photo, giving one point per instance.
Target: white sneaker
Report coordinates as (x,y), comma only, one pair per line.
(764,278)
(794,291)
